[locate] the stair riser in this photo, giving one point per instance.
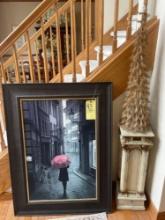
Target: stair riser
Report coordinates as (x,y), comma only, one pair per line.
(92,66)
(68,78)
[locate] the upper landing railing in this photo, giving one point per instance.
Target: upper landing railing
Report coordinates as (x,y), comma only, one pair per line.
(53,35)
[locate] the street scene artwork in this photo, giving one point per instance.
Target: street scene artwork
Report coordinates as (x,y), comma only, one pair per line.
(60,145)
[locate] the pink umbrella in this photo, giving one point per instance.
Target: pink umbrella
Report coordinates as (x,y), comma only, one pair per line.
(60,161)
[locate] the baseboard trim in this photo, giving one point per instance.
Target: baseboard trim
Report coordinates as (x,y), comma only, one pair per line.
(153,212)
(161,216)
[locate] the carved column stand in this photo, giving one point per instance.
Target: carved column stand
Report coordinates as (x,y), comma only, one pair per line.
(135,153)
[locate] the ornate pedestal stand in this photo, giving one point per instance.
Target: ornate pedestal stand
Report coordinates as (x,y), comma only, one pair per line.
(135,153)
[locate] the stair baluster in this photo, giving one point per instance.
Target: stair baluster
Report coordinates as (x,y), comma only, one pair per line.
(44,52)
(8,75)
(67,38)
(73,38)
(3,74)
(30,57)
(101,29)
(129,27)
(52,52)
(116,15)
(38,64)
(59,52)
(87,38)
(82,26)
(17,75)
(23,71)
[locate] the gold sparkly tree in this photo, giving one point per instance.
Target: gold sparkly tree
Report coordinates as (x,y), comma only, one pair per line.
(135,115)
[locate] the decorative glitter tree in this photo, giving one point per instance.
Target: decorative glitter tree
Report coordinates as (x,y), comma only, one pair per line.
(135,115)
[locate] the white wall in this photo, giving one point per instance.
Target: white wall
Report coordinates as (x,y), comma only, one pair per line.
(155,183)
(162,204)
(109,11)
(11,14)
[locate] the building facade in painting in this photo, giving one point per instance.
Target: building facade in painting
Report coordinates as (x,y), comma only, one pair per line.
(80,135)
(43,134)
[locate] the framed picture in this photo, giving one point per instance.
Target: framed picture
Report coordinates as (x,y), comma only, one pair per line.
(59,138)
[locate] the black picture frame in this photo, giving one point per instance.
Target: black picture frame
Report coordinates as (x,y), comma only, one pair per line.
(102,92)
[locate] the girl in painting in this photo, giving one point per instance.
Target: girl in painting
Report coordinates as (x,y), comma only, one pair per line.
(64,177)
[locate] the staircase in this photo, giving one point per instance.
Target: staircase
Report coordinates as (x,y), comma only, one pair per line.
(66,42)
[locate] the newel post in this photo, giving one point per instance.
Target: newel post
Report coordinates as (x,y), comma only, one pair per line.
(135,152)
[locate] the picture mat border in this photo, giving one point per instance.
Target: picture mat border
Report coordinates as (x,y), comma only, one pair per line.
(24,149)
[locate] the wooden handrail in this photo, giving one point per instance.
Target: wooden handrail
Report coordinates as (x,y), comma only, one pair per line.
(26,24)
(32,40)
(38,33)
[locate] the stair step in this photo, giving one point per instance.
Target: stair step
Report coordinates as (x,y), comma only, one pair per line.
(120,34)
(107,51)
(93,64)
(123,33)
(135,26)
(137,16)
(69,78)
(134,17)
(121,41)
(121,37)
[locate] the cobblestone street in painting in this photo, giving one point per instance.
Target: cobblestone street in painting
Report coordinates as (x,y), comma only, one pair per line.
(77,187)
